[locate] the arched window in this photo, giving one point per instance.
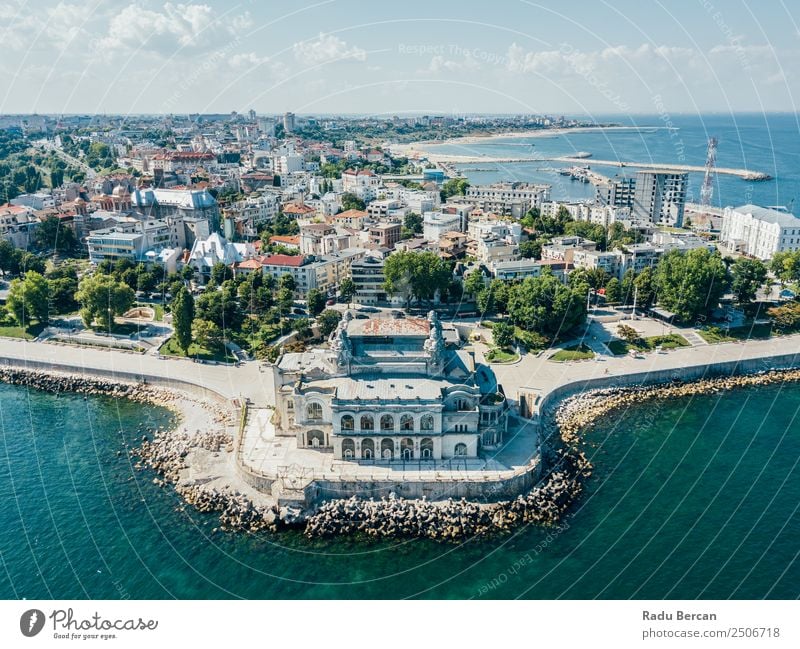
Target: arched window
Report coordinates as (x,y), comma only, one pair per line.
(426,423)
(407,448)
(314,411)
(406,422)
(347,422)
(367,449)
(387,422)
(316,438)
(387,448)
(426,447)
(348,448)
(461,449)
(367,422)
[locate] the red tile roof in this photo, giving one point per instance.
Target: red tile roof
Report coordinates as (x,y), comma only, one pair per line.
(283,260)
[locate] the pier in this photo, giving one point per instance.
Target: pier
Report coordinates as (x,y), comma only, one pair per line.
(441,158)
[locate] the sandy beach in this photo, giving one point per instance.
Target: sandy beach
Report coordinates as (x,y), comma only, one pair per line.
(420,147)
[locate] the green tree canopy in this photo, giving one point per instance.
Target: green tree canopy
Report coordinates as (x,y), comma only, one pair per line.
(690,283)
(748,276)
(415,275)
(182,309)
(28,299)
(102,298)
(544,305)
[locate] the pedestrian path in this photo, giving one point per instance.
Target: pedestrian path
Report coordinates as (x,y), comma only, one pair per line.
(694,339)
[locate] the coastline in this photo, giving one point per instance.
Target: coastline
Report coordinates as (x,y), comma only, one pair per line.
(196,456)
(419,147)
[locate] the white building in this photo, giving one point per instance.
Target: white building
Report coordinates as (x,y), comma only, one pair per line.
(435,224)
(37,201)
(514,199)
(758,231)
(389,390)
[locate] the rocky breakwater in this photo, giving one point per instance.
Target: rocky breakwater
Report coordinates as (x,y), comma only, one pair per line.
(451,520)
(169,454)
(577,412)
(58,382)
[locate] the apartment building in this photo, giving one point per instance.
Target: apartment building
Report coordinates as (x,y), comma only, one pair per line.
(759,231)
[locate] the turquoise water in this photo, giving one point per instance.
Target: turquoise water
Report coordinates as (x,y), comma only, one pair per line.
(692,498)
(768,143)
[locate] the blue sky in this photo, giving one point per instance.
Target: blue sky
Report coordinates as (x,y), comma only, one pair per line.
(361,56)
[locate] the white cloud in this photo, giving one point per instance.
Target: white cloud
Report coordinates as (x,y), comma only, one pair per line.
(191,27)
(326,48)
(247,60)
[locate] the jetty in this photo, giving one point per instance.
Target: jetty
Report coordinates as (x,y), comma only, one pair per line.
(452,159)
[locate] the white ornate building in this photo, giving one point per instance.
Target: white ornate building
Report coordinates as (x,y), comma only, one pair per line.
(389,389)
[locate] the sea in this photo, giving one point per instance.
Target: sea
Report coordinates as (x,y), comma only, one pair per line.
(692,498)
(769,143)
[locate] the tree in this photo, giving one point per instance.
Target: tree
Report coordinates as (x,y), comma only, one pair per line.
(28,298)
(644,288)
(475,282)
(453,187)
(302,327)
(63,283)
(613,291)
(102,298)
(51,235)
(288,282)
(415,275)
(352,202)
(786,266)
(544,305)
(207,334)
(748,275)
(315,300)
(627,333)
(327,321)
(182,309)
(503,334)
(347,289)
(690,284)
(220,273)
(412,224)
(220,307)
(9,257)
(786,316)
(531,249)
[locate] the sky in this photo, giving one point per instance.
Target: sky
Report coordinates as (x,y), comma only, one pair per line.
(578,58)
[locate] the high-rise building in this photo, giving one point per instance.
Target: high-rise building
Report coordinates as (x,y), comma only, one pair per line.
(618,192)
(288,122)
(660,196)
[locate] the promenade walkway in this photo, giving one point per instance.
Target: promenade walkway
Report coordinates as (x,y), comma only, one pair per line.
(246,380)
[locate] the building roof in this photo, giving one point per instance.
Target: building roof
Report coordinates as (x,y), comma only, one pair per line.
(784,219)
(294,208)
(351,214)
(283,260)
(285,240)
(389,327)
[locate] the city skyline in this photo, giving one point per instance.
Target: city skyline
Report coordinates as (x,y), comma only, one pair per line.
(345,57)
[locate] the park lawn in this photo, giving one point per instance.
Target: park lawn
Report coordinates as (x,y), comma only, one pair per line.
(170,348)
(10,330)
(575,353)
(714,335)
(497,355)
(669,341)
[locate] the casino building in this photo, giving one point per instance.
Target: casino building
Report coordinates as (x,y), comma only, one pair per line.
(389,389)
